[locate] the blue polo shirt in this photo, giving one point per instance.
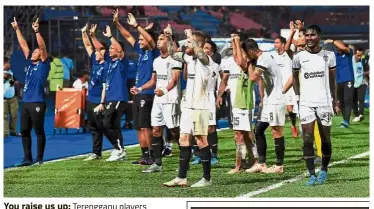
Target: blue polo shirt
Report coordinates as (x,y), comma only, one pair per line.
(97,78)
(36,77)
(132,70)
(116,81)
(344,67)
(145,67)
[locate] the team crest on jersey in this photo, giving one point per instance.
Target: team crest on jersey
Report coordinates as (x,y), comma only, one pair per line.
(36,67)
(142,102)
(145,57)
(37,109)
(114,65)
(326,58)
(108,106)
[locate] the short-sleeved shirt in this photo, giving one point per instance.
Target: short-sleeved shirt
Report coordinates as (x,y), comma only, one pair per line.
(272,79)
(164,72)
(314,77)
(97,79)
(197,94)
(116,81)
(145,67)
(344,67)
(132,70)
(68,65)
(36,77)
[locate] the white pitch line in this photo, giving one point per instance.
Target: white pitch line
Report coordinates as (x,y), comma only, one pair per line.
(84,155)
(299,177)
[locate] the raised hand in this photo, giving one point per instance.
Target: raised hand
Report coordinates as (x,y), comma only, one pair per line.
(84,29)
(108,32)
(168,31)
(115,16)
(35,25)
(14,24)
(299,24)
(292,26)
(93,29)
(131,20)
(188,33)
(328,41)
(149,26)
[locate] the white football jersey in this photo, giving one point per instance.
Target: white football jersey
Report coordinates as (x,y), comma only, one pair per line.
(314,77)
(164,69)
(272,79)
(285,64)
(197,91)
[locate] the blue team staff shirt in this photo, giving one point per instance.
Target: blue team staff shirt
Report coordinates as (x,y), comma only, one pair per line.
(97,78)
(344,67)
(145,67)
(36,77)
(132,70)
(116,81)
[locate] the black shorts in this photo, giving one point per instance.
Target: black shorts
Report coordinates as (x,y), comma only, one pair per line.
(141,109)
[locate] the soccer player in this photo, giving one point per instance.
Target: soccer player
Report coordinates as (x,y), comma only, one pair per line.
(360,86)
(114,97)
(195,115)
(285,64)
(96,83)
(344,79)
(165,110)
(316,68)
(34,106)
(143,100)
(242,118)
(273,106)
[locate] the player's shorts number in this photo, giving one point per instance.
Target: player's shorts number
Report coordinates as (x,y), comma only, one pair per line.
(271,116)
(236,121)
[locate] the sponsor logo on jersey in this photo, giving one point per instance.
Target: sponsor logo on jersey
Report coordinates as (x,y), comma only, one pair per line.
(318,74)
(191,76)
(162,77)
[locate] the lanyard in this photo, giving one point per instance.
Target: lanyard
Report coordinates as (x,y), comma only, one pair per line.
(29,72)
(111,73)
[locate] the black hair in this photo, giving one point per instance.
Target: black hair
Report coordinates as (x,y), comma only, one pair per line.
(83,73)
(122,45)
(250,44)
(315,28)
(6,59)
(213,45)
(105,46)
(360,49)
(153,34)
(281,39)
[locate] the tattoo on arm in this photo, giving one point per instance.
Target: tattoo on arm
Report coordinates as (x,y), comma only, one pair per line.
(178,56)
(199,52)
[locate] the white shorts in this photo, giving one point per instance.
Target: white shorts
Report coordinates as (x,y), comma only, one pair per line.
(195,122)
(275,115)
(310,114)
(290,97)
(212,109)
(165,114)
(242,120)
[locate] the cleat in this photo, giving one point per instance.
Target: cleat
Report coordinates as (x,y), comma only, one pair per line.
(361,117)
(148,161)
(24,163)
(322,176)
(274,169)
(38,162)
(233,171)
(196,161)
(167,152)
(312,181)
(117,155)
(176,182)
(202,183)
(294,131)
(92,156)
(344,124)
(153,169)
(213,161)
(356,119)
(256,168)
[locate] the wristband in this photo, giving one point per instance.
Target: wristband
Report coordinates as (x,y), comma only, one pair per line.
(333,41)
(37,31)
(140,89)
(137,25)
(102,103)
(110,37)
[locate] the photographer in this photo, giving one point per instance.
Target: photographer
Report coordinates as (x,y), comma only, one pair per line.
(10,101)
